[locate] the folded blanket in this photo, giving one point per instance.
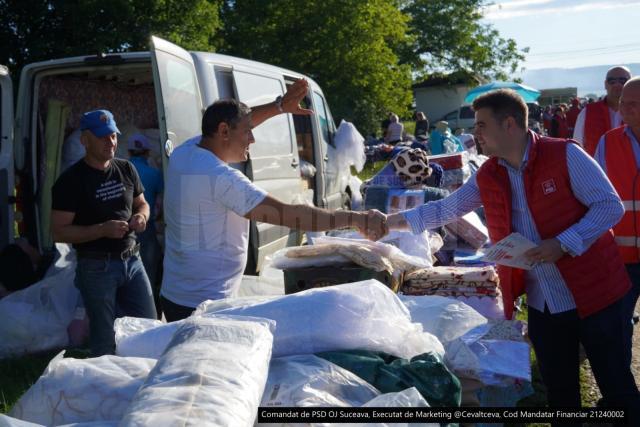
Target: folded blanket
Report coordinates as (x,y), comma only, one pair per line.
(454,274)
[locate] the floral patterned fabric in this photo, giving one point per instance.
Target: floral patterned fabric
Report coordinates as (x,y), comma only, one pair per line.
(130,104)
(453,282)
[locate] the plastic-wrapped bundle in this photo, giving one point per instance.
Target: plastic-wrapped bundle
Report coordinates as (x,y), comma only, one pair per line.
(362,315)
(308,380)
(365,315)
(212,373)
(36,318)
(444,317)
(83,390)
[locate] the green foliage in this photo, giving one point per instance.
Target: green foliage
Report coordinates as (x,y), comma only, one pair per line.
(348,47)
(35,30)
(448,35)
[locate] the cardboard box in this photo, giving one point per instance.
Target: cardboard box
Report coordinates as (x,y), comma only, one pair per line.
(301,279)
(451,161)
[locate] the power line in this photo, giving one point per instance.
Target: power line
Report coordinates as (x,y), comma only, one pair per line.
(594,49)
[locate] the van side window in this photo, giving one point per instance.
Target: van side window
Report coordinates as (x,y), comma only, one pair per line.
(180,98)
(326,128)
(224,83)
(273,137)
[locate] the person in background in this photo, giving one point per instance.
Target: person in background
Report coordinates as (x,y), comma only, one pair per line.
(98,205)
(572,114)
(618,154)
(559,127)
(422,127)
(599,117)
(553,193)
(394,132)
(150,251)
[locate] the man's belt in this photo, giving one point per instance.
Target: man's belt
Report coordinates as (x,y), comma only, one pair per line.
(126,254)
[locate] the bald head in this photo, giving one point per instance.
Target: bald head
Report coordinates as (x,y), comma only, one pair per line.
(613,82)
(630,104)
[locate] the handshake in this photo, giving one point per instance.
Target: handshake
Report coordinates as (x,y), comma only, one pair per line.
(372,224)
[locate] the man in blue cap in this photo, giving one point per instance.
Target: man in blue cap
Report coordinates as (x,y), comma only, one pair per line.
(98,205)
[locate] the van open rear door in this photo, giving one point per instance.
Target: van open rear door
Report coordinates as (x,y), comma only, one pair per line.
(6,158)
(177,94)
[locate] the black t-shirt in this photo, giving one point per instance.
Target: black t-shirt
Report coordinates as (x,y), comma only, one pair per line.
(97,196)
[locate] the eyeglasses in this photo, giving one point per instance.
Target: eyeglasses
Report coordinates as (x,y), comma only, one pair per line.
(621,80)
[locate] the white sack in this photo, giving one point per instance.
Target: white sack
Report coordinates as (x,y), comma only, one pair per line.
(139,337)
(443,317)
(362,315)
(308,380)
(36,318)
(492,361)
(213,373)
(82,390)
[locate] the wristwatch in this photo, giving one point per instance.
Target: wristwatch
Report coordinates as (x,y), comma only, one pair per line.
(279,103)
(564,248)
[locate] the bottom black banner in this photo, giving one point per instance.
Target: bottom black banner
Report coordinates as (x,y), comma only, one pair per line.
(441,415)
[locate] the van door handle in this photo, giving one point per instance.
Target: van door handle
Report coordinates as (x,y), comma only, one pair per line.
(294,163)
(326,158)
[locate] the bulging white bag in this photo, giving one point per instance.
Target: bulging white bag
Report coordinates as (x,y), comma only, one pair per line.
(36,318)
(82,390)
(362,315)
(445,318)
(212,373)
(308,380)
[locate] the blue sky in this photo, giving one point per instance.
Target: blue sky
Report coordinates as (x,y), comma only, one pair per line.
(570,33)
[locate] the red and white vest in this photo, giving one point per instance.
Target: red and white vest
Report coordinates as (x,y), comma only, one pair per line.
(597,278)
(596,123)
(625,177)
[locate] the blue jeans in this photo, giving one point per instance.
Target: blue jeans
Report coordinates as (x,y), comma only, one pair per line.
(110,288)
(605,336)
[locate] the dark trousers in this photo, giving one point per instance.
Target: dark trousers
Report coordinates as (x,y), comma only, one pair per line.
(173,311)
(605,336)
(633,270)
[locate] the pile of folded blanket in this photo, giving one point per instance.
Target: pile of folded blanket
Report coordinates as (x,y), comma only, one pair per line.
(453,282)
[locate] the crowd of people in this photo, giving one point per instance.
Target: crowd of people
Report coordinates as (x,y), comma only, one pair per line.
(566,195)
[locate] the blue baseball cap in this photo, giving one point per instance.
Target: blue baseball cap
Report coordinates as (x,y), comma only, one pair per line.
(99,122)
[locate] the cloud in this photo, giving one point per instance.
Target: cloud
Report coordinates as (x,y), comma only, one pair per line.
(518,8)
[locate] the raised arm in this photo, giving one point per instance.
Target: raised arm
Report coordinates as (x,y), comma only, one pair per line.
(290,104)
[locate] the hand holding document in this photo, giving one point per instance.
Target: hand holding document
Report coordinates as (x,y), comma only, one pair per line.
(510,251)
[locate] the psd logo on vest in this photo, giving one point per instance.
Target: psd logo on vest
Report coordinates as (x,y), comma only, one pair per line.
(549,186)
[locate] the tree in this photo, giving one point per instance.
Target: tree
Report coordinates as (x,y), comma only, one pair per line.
(34,30)
(447,35)
(348,47)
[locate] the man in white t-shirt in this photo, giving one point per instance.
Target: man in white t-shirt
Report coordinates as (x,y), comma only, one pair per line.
(208,205)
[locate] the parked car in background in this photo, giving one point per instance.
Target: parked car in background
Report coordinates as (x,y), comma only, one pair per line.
(461,118)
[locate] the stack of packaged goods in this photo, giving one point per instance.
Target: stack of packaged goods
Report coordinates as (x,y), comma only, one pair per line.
(475,286)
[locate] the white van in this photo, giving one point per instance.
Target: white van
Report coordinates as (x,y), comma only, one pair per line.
(161,93)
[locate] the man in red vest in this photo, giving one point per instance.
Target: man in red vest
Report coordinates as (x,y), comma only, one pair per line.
(619,155)
(553,193)
(598,117)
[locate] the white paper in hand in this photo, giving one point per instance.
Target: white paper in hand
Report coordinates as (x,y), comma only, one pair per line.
(510,252)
